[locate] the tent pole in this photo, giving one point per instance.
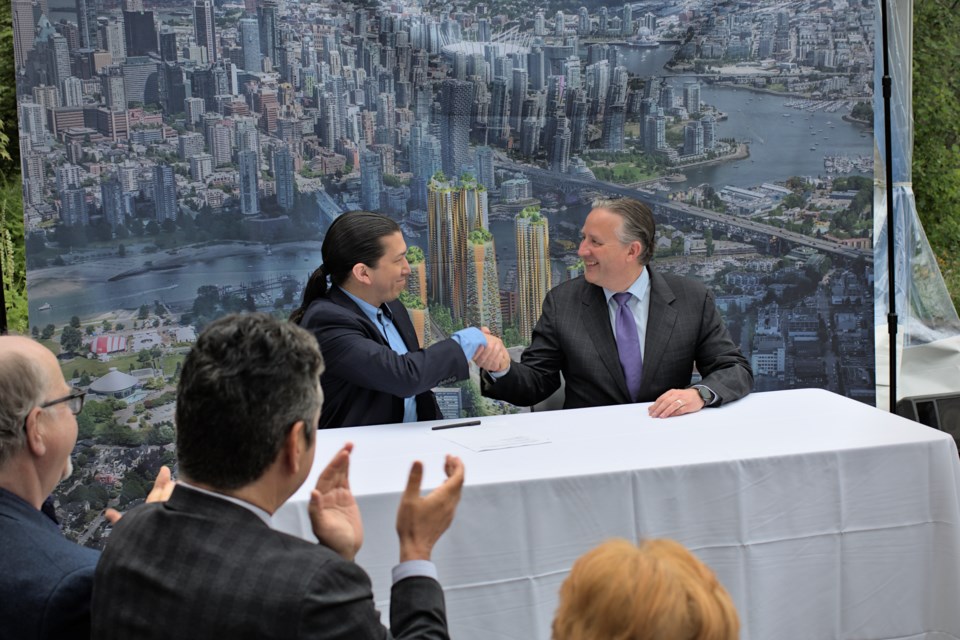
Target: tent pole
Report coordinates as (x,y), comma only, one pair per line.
(888,161)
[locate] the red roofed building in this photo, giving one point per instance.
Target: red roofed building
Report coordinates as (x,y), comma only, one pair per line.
(108,344)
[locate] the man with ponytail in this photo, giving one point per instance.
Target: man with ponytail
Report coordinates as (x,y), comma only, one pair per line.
(376,371)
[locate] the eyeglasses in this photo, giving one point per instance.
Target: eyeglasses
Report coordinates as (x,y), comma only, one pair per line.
(74,401)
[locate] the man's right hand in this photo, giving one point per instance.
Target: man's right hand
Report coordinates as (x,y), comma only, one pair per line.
(421,520)
(493,357)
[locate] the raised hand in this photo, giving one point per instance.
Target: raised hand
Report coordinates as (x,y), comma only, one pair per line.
(162,488)
(333,510)
(421,520)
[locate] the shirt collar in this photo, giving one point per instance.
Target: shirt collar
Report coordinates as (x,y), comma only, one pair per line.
(252,508)
(639,287)
(368,309)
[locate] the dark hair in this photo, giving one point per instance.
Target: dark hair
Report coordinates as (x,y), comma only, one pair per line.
(638,223)
(244,384)
(353,238)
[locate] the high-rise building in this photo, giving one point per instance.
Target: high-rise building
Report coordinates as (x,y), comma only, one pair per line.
(456,101)
(560,160)
(498,130)
(533,268)
(111,35)
(117,205)
(482,282)
(371,180)
(250,43)
(485,169)
(691,97)
(283,169)
(190,144)
(626,27)
(205,28)
(165,192)
(249,183)
(141,80)
(583,22)
(87,23)
(693,139)
(23,27)
(447,232)
(709,124)
(201,166)
(517,93)
(32,167)
(267,19)
(194,108)
(417,280)
(140,32)
(73,206)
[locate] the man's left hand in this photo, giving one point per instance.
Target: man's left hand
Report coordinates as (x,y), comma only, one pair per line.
(676,402)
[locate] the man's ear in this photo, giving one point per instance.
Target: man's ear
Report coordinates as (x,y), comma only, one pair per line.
(294,445)
(636,248)
(34,431)
(360,273)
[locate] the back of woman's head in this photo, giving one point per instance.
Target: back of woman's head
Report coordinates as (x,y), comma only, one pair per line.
(353,238)
(655,591)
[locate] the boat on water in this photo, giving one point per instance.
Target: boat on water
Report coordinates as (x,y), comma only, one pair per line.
(269,250)
(45,306)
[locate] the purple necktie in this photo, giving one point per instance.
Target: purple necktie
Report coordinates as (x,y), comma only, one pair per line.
(628,344)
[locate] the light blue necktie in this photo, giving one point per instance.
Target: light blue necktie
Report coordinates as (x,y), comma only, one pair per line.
(628,345)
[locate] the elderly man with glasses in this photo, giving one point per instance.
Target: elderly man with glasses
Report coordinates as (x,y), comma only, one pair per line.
(45,580)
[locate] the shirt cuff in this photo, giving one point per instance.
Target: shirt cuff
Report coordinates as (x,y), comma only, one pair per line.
(470,339)
(414,569)
(496,375)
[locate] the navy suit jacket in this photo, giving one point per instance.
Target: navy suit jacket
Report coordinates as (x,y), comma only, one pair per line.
(198,566)
(574,336)
(45,580)
(365,381)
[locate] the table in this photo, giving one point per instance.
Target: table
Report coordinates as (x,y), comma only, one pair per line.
(823,517)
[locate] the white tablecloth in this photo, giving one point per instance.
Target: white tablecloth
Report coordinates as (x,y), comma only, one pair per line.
(823,517)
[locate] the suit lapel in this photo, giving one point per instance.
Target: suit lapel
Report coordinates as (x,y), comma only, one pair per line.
(660,322)
(340,298)
(596,323)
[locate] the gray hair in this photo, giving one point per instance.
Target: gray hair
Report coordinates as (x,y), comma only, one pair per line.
(637,225)
(22,385)
(245,383)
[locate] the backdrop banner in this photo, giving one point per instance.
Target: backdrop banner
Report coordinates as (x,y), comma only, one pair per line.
(183,159)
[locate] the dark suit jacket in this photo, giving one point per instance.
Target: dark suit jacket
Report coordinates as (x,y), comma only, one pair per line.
(574,336)
(365,381)
(197,566)
(45,580)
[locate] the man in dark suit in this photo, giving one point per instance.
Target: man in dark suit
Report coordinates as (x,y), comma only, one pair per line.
(45,580)
(207,564)
(376,371)
(592,327)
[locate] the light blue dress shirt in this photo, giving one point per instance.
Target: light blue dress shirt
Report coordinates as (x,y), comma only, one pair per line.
(469,339)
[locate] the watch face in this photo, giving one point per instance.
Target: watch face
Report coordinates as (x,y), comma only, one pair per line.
(705,394)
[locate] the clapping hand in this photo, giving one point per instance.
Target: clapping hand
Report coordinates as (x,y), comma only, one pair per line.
(333,510)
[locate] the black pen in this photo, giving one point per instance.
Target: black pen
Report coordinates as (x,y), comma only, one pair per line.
(471,423)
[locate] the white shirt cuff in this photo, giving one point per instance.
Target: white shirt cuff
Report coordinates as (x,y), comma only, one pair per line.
(414,569)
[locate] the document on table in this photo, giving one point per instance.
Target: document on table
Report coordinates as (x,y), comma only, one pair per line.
(481,438)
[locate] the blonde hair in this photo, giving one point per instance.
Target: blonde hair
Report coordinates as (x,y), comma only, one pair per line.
(656,590)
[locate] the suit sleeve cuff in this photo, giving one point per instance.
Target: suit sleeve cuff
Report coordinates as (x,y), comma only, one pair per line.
(414,569)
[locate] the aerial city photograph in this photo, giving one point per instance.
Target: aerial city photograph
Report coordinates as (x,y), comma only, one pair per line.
(183,159)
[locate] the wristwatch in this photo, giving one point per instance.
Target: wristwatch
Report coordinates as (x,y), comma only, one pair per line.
(705,394)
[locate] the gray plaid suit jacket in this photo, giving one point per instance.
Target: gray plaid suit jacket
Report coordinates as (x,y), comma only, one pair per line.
(574,337)
(200,567)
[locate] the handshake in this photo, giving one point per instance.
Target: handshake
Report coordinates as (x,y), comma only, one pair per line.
(493,356)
